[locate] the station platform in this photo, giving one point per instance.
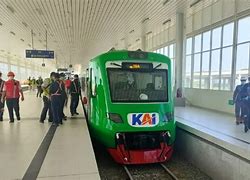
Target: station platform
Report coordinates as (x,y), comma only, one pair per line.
(212,141)
(31,150)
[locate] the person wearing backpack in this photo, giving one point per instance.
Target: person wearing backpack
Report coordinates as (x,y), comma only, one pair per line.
(46,101)
(56,91)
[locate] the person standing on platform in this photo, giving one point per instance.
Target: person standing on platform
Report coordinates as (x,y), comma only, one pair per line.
(67,85)
(46,101)
(1,93)
(56,91)
(39,83)
(64,95)
(29,83)
(239,112)
(75,91)
(246,100)
(244,96)
(33,83)
(11,92)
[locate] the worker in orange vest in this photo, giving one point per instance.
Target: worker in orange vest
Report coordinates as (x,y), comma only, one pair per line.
(11,92)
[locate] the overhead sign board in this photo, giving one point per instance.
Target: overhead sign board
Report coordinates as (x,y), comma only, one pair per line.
(40,54)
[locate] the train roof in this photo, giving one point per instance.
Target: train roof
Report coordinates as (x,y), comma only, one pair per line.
(124,54)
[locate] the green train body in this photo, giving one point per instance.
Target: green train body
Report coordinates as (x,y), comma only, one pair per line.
(130,98)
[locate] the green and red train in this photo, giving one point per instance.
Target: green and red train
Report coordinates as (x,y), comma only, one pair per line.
(130,106)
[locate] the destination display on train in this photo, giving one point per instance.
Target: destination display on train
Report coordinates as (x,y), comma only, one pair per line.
(129,65)
(40,54)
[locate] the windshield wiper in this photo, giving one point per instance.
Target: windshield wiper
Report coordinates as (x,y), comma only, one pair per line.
(157,66)
(116,64)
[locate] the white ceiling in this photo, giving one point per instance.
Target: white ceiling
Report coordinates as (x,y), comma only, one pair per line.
(80,29)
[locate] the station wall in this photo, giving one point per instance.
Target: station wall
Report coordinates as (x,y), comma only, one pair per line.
(216,51)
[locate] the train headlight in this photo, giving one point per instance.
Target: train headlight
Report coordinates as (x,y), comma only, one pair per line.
(115,117)
(169,116)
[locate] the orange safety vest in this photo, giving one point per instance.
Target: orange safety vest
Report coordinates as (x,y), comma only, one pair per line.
(12,88)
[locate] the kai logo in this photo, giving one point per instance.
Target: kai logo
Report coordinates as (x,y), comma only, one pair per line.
(143,119)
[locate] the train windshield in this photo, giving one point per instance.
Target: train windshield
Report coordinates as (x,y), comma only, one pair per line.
(138,85)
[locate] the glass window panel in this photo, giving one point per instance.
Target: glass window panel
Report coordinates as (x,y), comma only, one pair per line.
(171,51)
(188,72)
(166,51)
(228,32)
(242,60)
(4,69)
(226,68)
(216,38)
(205,63)
(243,31)
(225,83)
(196,74)
(227,60)
(206,41)
(205,70)
(215,69)
(189,46)
(197,43)
(161,51)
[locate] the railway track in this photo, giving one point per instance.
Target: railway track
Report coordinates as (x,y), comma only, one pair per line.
(133,176)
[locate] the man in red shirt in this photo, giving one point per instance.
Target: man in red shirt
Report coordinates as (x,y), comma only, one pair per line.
(11,92)
(67,84)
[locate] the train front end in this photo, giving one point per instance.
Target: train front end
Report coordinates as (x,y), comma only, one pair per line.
(140,125)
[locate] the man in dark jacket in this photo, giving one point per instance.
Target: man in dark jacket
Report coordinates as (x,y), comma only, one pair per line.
(64,96)
(245,98)
(239,112)
(55,92)
(75,92)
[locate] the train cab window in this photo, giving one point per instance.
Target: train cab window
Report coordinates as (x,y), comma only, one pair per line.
(138,85)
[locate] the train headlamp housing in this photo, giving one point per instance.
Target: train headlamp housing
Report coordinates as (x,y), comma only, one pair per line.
(115,117)
(169,116)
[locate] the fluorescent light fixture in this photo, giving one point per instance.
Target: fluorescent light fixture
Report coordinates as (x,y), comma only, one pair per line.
(29,45)
(11,32)
(122,39)
(150,32)
(22,40)
(39,11)
(10,8)
(132,31)
(167,21)
(165,2)
(194,3)
(25,24)
(137,40)
(1,24)
(145,20)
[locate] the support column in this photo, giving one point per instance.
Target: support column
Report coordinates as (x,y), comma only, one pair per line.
(179,51)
